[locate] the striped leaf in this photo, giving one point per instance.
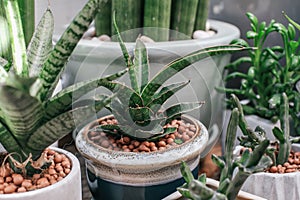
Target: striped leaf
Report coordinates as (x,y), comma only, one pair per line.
(176,66)
(63,100)
(22,112)
(181,108)
(60,126)
(8,141)
(165,93)
(17,37)
(127,58)
(40,44)
(56,61)
(141,64)
(140,115)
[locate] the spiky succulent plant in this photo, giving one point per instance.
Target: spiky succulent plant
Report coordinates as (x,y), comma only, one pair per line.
(31,118)
(139,108)
(234,170)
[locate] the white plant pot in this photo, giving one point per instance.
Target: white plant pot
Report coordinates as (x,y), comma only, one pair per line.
(93,58)
(275,186)
(69,188)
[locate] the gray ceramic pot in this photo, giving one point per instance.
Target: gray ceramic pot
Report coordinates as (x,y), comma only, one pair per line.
(129,175)
(93,58)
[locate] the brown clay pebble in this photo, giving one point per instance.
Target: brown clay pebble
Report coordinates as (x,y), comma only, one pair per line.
(21,189)
(18,179)
(161,143)
(8,179)
(57,158)
(273,169)
(27,184)
(11,188)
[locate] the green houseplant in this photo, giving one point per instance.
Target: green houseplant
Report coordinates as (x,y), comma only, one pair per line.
(281,151)
(94,58)
(272,71)
(136,140)
(31,118)
(231,181)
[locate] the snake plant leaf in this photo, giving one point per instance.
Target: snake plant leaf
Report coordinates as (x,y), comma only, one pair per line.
(63,100)
(8,141)
(20,64)
(57,59)
(165,132)
(180,108)
(231,134)
(40,44)
(141,64)
(22,112)
(165,93)
(59,127)
(179,64)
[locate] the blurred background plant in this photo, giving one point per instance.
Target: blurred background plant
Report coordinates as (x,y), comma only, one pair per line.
(272,71)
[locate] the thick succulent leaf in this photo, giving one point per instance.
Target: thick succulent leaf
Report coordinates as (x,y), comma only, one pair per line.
(166,132)
(60,126)
(56,61)
(40,44)
(62,101)
(8,141)
(231,134)
(140,115)
(141,64)
(186,173)
(181,108)
(164,94)
(257,153)
(176,66)
(218,161)
(126,95)
(17,37)
(292,21)
(22,112)
(145,134)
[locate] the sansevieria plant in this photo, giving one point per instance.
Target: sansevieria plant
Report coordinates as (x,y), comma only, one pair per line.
(138,108)
(31,118)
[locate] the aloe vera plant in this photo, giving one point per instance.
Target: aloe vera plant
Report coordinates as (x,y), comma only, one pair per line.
(139,108)
(231,181)
(31,118)
(272,71)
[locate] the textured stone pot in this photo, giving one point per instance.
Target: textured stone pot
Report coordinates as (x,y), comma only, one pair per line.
(275,186)
(129,175)
(93,58)
(68,188)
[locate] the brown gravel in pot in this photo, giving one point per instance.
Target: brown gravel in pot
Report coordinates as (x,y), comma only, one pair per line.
(11,182)
(185,131)
(292,165)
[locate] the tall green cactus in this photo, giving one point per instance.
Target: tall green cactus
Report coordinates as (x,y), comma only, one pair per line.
(202,15)
(183,18)
(231,180)
(157,15)
(128,16)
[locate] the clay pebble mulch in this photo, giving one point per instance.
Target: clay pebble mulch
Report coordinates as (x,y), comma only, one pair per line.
(11,182)
(185,131)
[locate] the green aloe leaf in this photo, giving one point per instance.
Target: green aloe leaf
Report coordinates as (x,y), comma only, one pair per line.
(178,109)
(186,172)
(176,66)
(20,64)
(141,64)
(165,93)
(40,44)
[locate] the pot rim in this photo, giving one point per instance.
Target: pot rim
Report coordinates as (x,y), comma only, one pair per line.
(75,167)
(161,158)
